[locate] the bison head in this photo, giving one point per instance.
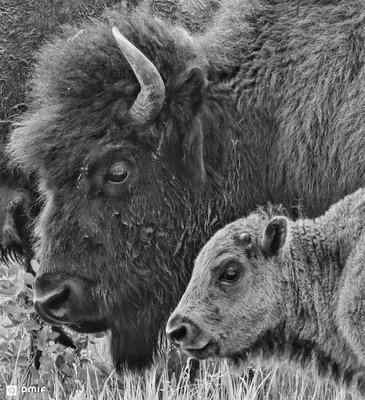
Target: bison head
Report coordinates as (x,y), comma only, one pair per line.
(117,144)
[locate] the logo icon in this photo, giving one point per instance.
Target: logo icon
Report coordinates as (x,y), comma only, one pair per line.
(11,390)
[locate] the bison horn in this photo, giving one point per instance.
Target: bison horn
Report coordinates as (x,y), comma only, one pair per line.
(152,94)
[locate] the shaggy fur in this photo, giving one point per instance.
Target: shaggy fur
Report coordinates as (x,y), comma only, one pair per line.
(194,15)
(299,294)
(15,212)
(24,27)
(266,105)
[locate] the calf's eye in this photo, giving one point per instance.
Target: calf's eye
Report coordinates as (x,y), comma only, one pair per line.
(118,173)
(230,275)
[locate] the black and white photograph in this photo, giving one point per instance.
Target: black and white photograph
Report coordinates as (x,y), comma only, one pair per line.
(182,199)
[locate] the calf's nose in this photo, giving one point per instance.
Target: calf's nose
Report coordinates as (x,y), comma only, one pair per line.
(182,332)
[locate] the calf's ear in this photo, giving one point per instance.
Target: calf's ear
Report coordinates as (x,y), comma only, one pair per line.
(275,235)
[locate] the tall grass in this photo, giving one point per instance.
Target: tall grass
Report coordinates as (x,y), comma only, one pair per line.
(87,374)
(214,382)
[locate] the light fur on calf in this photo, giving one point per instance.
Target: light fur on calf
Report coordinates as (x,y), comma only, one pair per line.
(293,291)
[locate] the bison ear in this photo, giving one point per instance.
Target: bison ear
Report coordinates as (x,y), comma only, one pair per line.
(193,156)
(193,140)
(275,235)
(187,95)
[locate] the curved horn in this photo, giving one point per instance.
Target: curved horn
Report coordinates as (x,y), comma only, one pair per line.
(152,95)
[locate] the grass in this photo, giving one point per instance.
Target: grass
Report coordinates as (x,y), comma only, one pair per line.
(87,373)
(214,381)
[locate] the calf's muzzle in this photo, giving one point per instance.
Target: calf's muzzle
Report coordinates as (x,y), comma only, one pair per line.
(185,334)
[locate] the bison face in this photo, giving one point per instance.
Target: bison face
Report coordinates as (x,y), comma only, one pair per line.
(234,296)
(118,151)
(110,244)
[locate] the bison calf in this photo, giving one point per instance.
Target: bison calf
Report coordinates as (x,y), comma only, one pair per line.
(267,287)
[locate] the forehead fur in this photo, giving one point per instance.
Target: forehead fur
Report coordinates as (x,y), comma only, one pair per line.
(78,84)
(227,239)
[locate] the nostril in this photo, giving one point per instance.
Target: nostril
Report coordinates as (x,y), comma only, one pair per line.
(54,304)
(178,334)
(57,301)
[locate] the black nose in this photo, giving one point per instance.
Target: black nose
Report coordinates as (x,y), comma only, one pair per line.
(57,298)
(178,334)
(182,332)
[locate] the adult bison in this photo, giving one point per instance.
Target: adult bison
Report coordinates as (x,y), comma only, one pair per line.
(140,161)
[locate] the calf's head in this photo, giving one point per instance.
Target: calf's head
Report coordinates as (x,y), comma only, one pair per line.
(234,296)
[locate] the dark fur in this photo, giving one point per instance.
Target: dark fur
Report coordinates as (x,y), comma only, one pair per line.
(267,105)
(24,27)
(15,212)
(16,200)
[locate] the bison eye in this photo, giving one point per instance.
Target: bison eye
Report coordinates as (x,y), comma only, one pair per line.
(230,275)
(118,173)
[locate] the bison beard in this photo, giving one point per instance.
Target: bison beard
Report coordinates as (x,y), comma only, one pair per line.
(132,345)
(136,316)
